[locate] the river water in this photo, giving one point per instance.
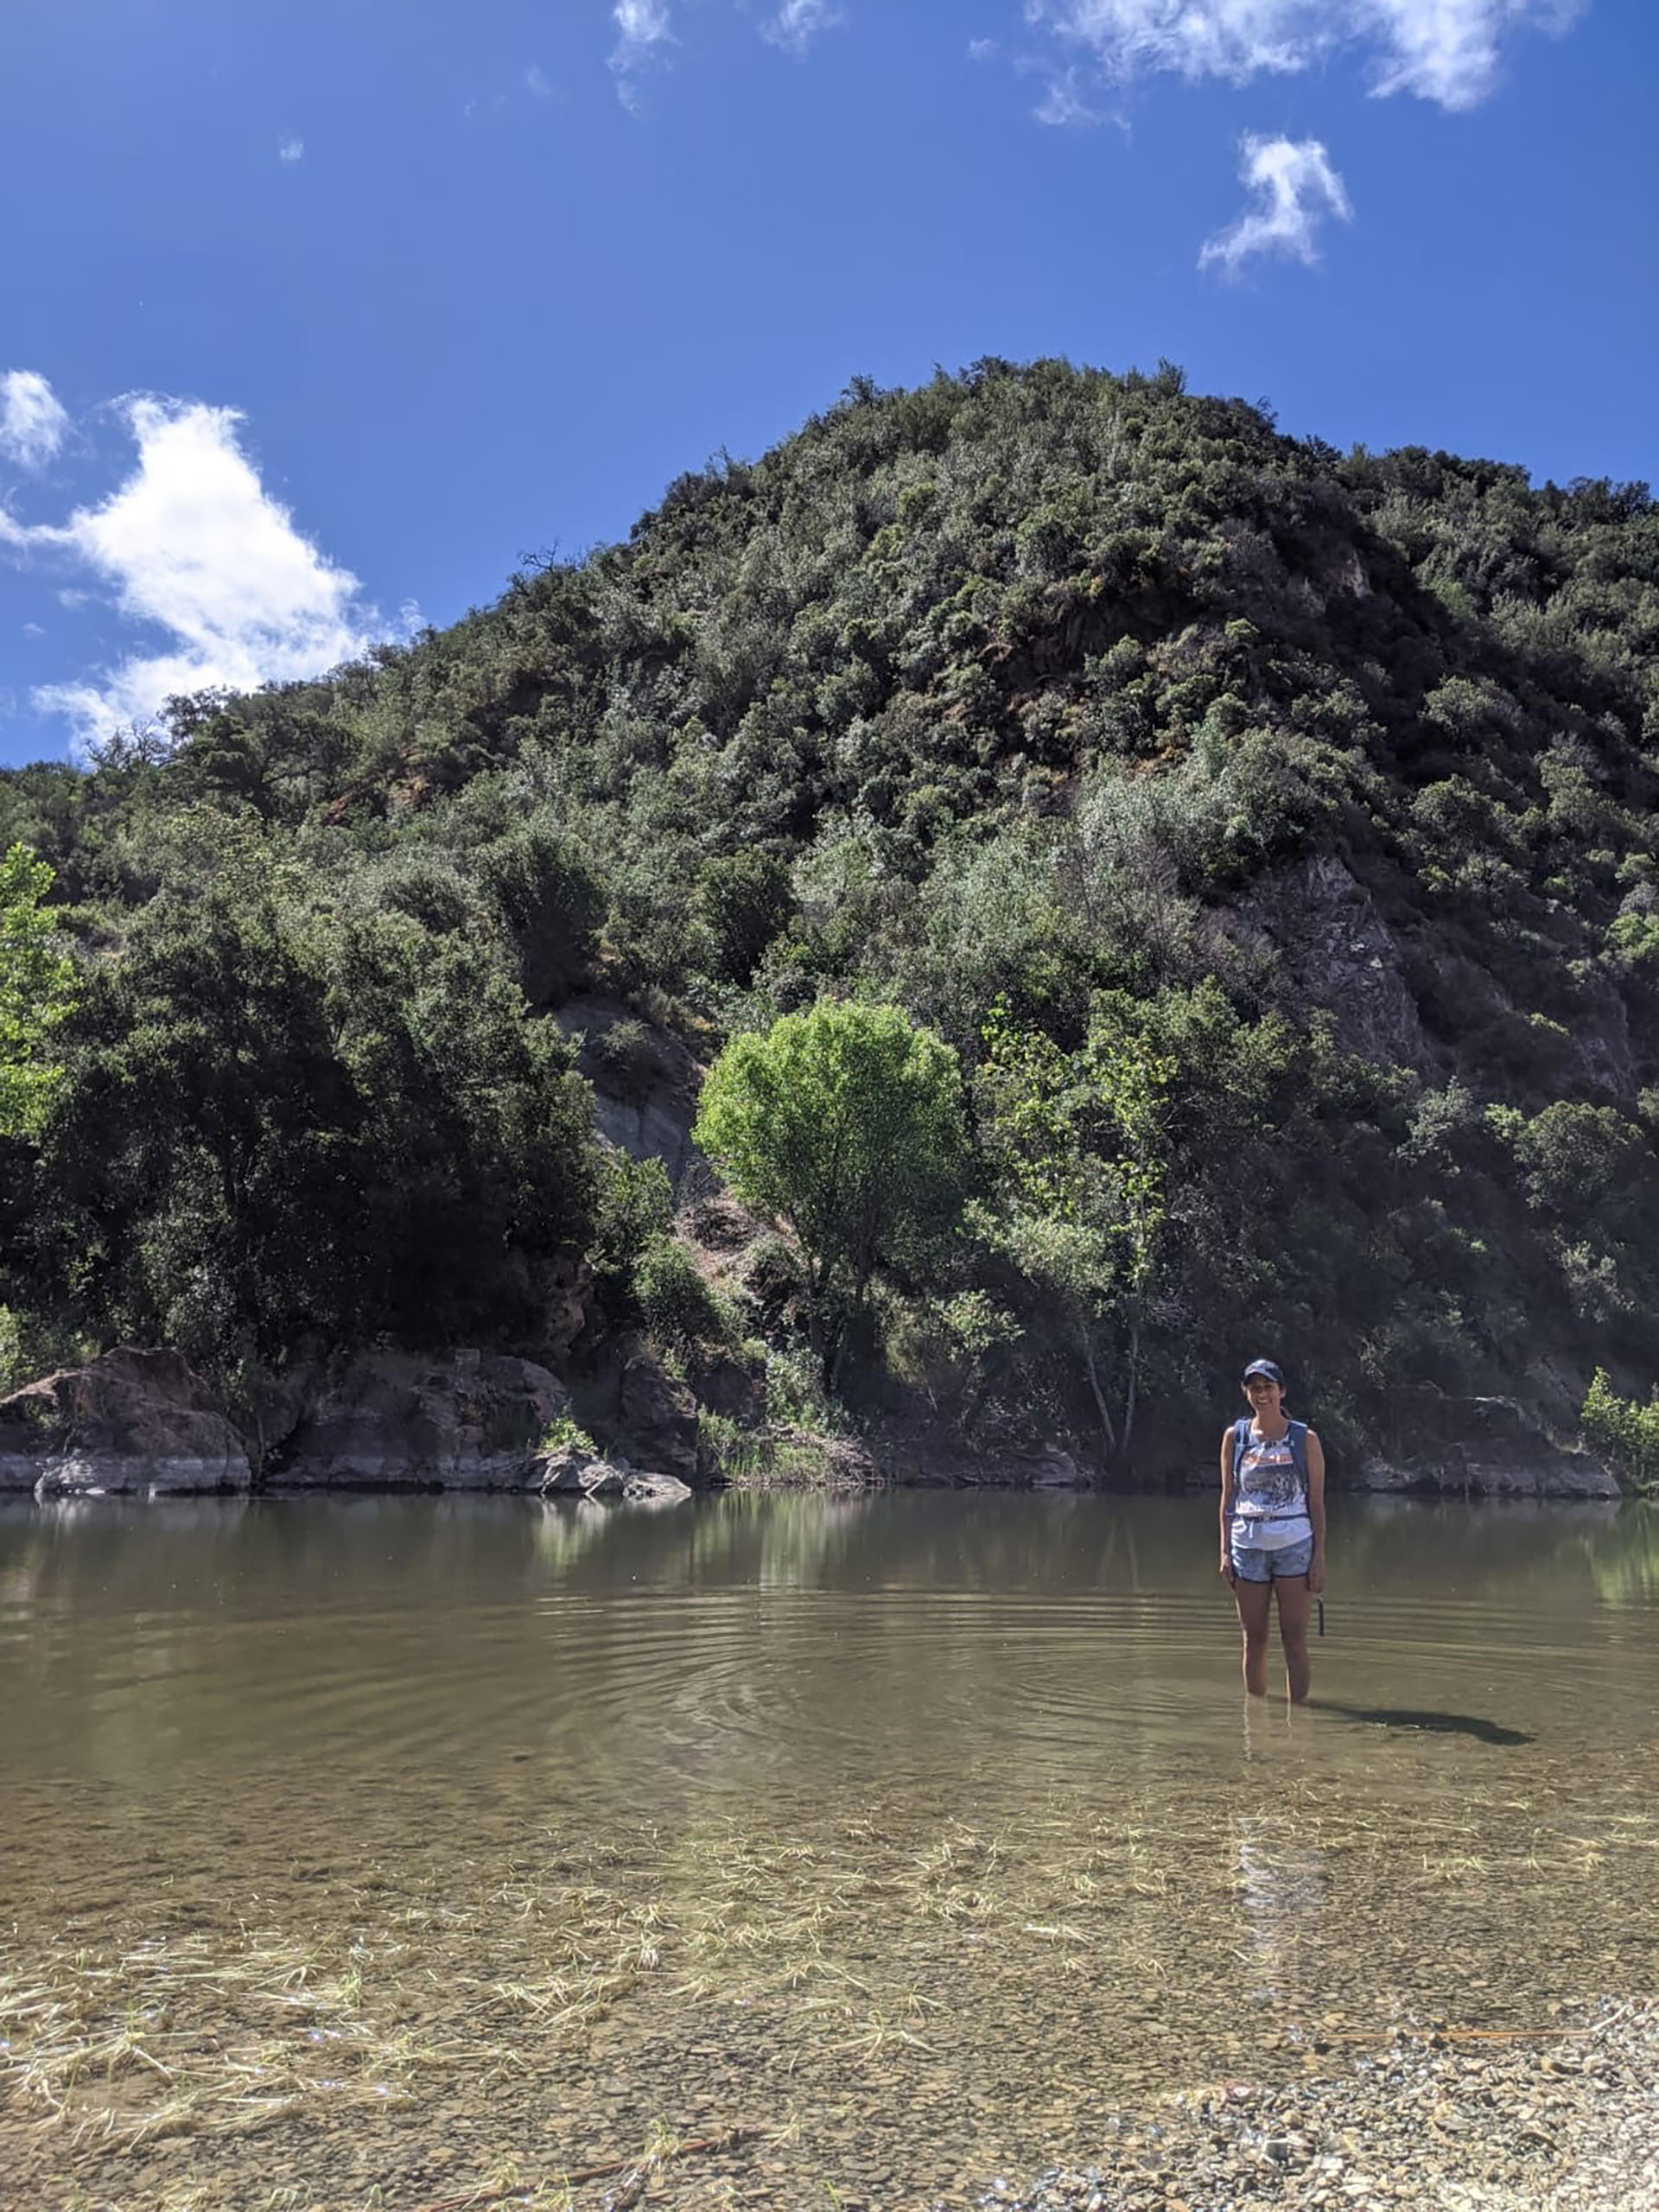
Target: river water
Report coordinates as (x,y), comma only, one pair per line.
(373,1851)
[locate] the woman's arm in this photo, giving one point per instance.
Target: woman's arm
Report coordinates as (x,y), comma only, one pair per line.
(1316,1511)
(1226,1500)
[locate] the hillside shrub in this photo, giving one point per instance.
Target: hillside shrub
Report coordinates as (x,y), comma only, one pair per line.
(1627,1434)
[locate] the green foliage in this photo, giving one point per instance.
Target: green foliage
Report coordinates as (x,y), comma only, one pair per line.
(742,900)
(270,1129)
(679,1308)
(567,1434)
(1077,1143)
(551,906)
(1627,1433)
(629,1060)
(1077,715)
(37,992)
(943,1342)
(845,1123)
(635,1209)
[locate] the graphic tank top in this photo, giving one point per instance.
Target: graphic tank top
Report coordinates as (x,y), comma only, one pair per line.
(1269,1496)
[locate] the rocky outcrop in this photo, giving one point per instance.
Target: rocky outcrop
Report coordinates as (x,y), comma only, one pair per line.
(1335,950)
(645,1084)
(1480,1447)
(129,1423)
(935,1455)
(657,1415)
(391,1422)
(574,1471)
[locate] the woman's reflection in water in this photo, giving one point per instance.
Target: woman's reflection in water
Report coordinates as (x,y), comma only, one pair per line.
(1281,1874)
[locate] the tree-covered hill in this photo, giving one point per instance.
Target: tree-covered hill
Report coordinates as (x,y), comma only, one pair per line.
(1275,826)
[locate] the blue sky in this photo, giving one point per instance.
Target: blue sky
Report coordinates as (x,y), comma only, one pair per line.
(316,316)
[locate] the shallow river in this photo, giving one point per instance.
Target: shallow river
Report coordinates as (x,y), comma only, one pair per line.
(376,1852)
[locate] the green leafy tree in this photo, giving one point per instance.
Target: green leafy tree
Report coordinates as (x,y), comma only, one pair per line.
(1077,1141)
(742,900)
(37,991)
(275,1126)
(845,1122)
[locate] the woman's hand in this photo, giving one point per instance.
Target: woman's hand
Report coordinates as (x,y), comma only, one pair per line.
(1226,1568)
(1316,1575)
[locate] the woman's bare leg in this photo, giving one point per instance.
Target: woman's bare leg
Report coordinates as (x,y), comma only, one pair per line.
(1254,1601)
(1294,1605)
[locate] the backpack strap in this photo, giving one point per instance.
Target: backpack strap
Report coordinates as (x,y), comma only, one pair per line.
(1240,1440)
(1298,1450)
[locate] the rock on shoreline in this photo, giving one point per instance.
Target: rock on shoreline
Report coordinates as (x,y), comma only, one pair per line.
(142,1423)
(134,1423)
(129,1423)
(1487,1447)
(391,1422)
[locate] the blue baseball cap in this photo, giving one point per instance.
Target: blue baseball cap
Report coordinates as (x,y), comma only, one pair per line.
(1275,1374)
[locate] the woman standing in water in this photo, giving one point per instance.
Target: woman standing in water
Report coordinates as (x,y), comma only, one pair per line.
(1272,1527)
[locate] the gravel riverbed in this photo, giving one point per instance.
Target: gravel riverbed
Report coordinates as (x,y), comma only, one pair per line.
(1432,2120)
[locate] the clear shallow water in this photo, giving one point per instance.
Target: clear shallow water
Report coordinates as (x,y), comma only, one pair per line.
(367,1842)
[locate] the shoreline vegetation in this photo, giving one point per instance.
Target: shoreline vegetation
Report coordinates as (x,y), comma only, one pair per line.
(953,937)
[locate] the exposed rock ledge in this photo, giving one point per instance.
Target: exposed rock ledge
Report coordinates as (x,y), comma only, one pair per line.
(1483,1447)
(391,1420)
(129,1423)
(142,1423)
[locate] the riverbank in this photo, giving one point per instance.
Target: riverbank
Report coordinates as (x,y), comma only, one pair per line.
(137,1422)
(1434,2119)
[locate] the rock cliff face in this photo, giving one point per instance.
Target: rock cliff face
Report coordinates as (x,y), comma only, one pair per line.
(643,1103)
(464,1420)
(1334,950)
(129,1423)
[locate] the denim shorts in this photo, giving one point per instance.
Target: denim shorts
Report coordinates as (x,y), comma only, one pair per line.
(1252,1564)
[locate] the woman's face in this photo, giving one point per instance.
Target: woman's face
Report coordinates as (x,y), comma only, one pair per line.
(1264,1394)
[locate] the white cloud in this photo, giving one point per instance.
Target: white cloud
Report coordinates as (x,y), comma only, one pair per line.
(982,49)
(1295,189)
(643,26)
(1063,104)
(291,149)
(1444,50)
(193,545)
(538,83)
(33,424)
(797,22)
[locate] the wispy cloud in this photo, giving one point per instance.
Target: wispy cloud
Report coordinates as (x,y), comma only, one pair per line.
(1296,189)
(644,28)
(797,22)
(1063,106)
(33,424)
(1448,51)
(291,149)
(193,546)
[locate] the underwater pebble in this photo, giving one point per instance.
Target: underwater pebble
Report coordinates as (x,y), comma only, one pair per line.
(1436,2122)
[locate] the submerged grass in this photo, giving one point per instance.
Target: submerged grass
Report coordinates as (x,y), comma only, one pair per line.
(961,1982)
